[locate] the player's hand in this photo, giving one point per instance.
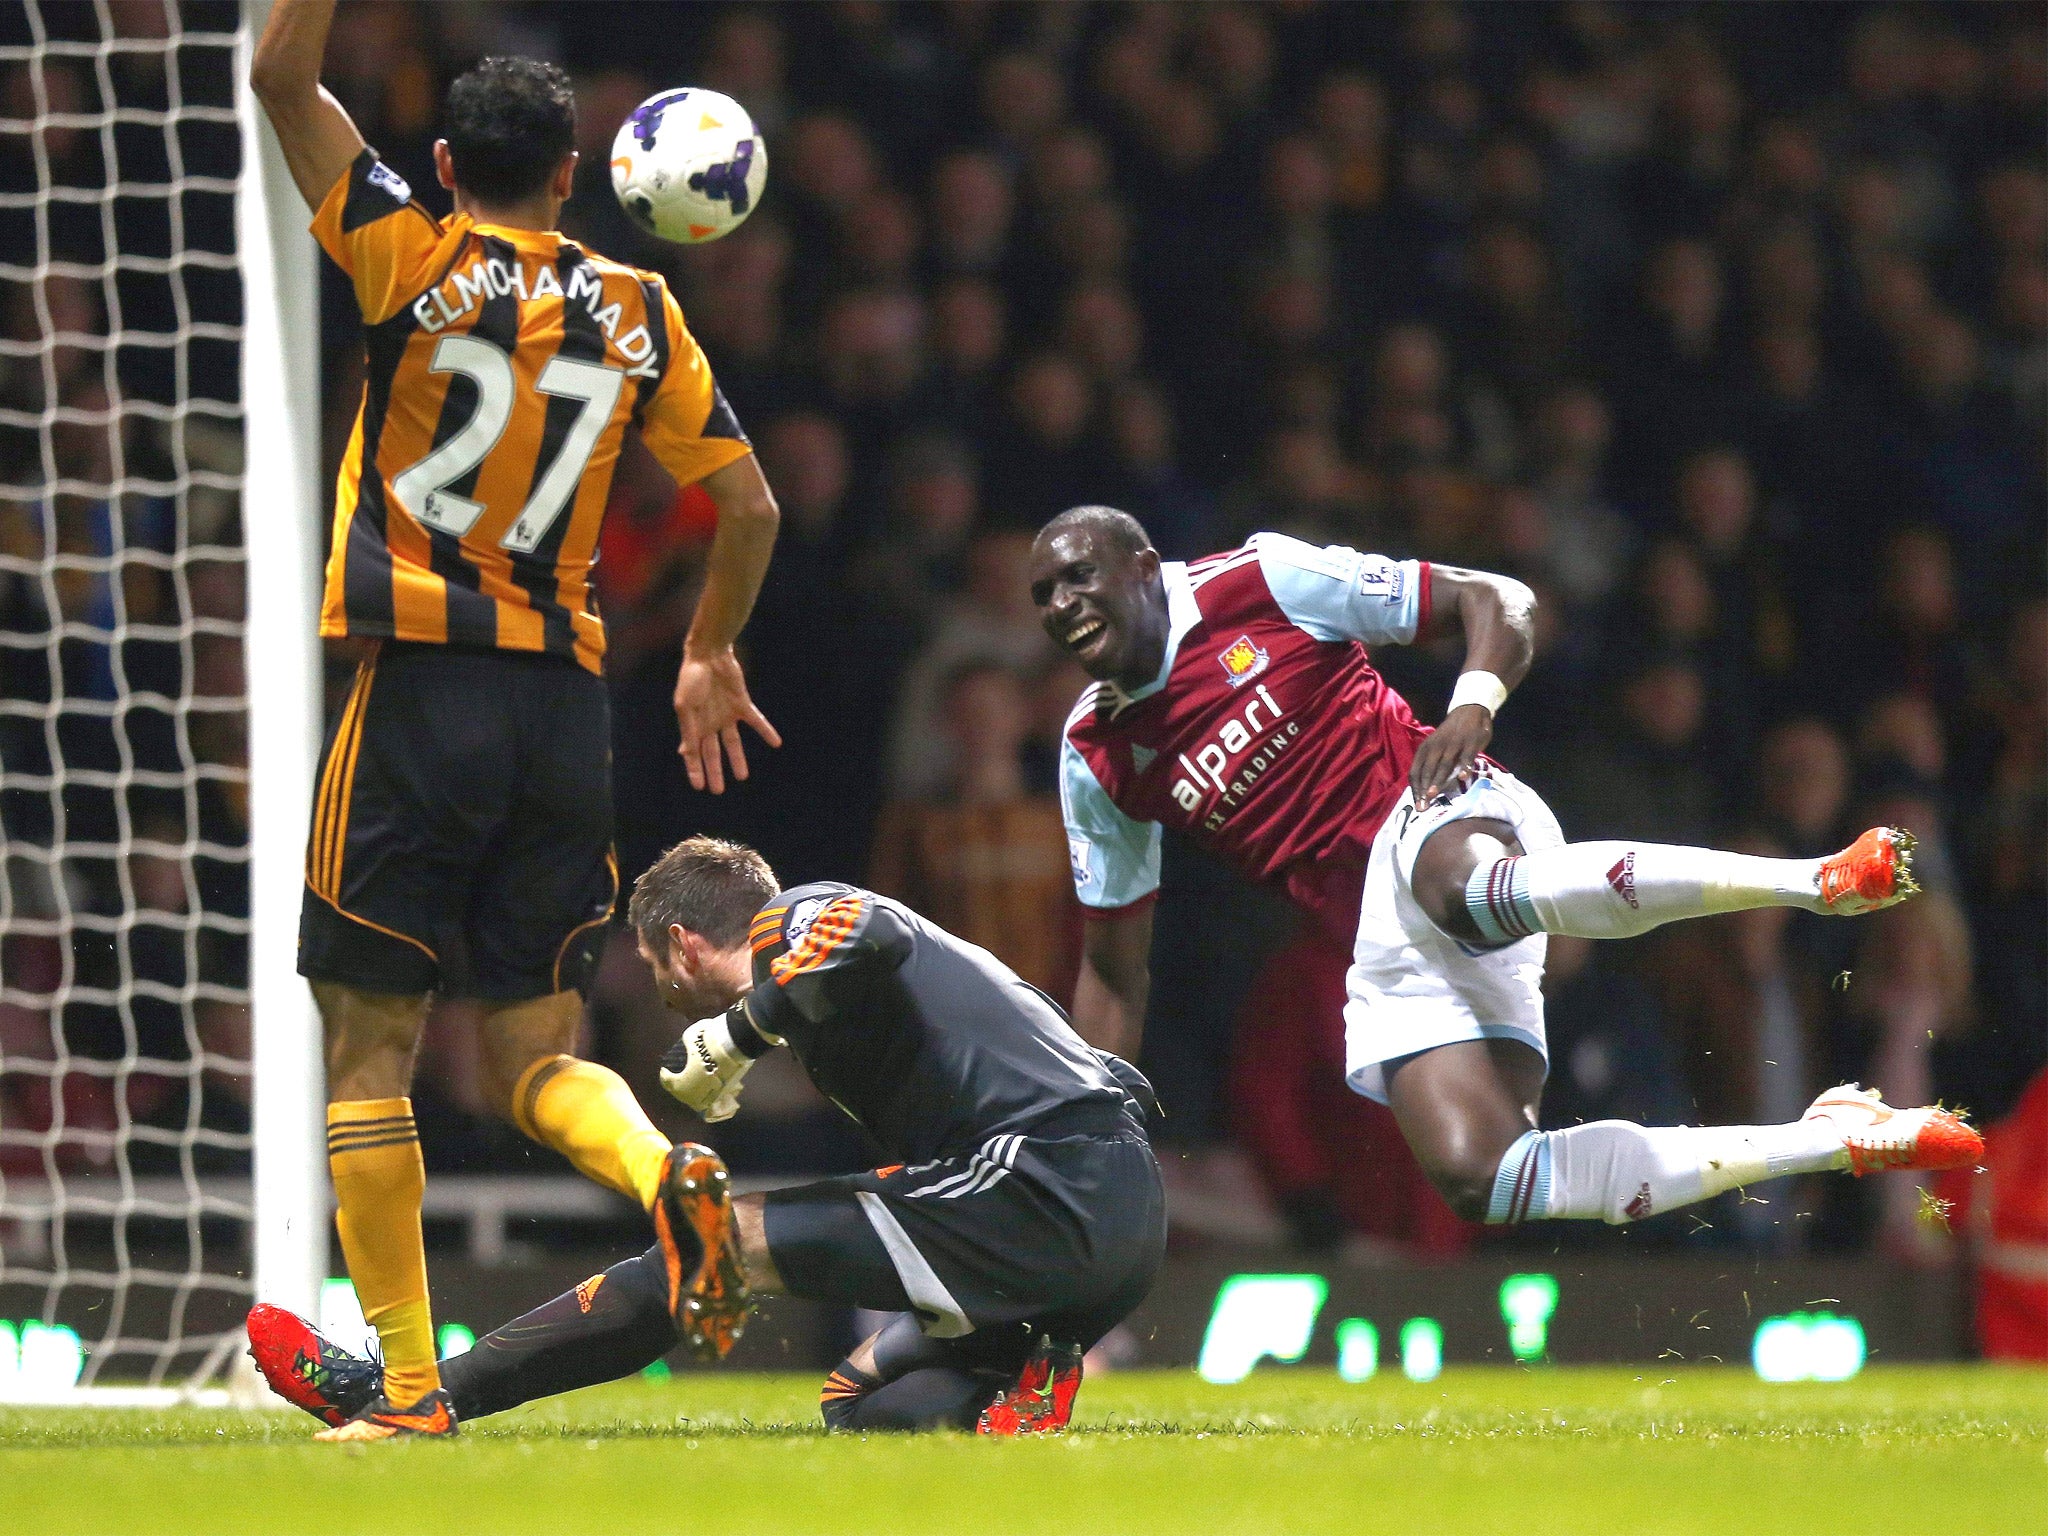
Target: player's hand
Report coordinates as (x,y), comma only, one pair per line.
(702,1070)
(711,701)
(1451,754)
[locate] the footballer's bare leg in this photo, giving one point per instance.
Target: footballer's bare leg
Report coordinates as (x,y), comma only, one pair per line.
(1466,1104)
(532,1076)
(371,1040)
(1461,1107)
(748,1220)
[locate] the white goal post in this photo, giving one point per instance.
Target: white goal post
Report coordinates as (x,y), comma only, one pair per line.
(281,527)
(161,1147)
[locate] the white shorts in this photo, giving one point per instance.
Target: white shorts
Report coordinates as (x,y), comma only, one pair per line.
(1411,985)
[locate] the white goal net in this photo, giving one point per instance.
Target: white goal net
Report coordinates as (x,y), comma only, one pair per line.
(127,1248)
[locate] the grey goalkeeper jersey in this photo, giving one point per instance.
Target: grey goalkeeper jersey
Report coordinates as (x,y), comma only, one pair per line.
(930,1042)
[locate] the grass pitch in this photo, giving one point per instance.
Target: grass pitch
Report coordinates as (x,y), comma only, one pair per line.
(1575,1452)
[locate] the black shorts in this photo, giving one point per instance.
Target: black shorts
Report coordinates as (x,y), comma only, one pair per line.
(464,805)
(1060,1235)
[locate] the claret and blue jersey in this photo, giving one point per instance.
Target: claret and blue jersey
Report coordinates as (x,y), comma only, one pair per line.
(1267,734)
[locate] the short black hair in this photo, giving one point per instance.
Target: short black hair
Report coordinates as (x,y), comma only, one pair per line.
(1123,531)
(706,885)
(510,122)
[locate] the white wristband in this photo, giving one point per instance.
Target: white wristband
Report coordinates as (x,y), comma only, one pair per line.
(1481,688)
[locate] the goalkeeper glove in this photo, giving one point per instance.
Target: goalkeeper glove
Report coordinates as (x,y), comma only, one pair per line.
(702,1070)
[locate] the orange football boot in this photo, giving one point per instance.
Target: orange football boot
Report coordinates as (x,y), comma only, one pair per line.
(1872,873)
(433,1416)
(1878,1137)
(707,1288)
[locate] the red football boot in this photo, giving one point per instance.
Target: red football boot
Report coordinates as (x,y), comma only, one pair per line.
(1043,1399)
(307,1369)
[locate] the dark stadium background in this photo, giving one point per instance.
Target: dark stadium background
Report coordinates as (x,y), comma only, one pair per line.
(1725,327)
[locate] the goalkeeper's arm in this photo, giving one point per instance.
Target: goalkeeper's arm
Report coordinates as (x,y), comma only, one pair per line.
(702,1070)
(319,139)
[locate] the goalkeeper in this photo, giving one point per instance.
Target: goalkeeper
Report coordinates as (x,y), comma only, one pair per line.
(1022,1220)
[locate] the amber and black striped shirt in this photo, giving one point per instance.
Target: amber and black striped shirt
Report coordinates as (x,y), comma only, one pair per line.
(505,366)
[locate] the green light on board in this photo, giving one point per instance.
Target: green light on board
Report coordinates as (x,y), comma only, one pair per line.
(453,1339)
(39,1360)
(1526,1303)
(1358,1350)
(657,1372)
(1256,1316)
(1422,1348)
(1808,1346)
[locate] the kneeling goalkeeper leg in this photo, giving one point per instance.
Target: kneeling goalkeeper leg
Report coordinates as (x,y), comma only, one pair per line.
(899,1379)
(612,1325)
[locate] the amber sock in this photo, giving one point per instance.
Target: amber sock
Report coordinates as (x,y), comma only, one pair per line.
(588,1114)
(373,1153)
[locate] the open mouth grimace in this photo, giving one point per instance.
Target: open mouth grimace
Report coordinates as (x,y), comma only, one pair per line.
(1087,638)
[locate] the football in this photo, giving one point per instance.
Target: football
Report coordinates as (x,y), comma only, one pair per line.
(688,165)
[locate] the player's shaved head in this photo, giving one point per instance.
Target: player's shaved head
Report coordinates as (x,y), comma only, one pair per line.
(1095,579)
(704,885)
(1117,530)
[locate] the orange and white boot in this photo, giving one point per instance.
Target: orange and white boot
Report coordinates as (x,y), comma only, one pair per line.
(1879,1137)
(1872,873)
(432,1417)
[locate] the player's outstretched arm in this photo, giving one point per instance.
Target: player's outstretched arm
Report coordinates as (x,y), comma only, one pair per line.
(1115,980)
(1498,615)
(711,691)
(318,137)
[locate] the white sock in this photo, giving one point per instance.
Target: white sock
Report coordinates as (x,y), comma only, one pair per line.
(1616,890)
(1620,1172)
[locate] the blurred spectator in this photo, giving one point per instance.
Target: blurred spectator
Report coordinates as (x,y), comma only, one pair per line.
(1612,1046)
(871,356)
(1669,378)
(971,209)
(1043,458)
(1646,777)
(744,58)
(1910,990)
(1587,542)
(981,854)
(970,330)
(1914,638)
(1803,786)
(2004,1222)
(1717,508)
(990,621)
(650,554)
(933,503)
(1147,479)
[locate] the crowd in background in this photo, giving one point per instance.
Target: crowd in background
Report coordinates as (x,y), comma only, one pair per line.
(1725,328)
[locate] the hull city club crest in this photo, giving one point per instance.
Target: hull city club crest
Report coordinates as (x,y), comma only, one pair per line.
(1243,661)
